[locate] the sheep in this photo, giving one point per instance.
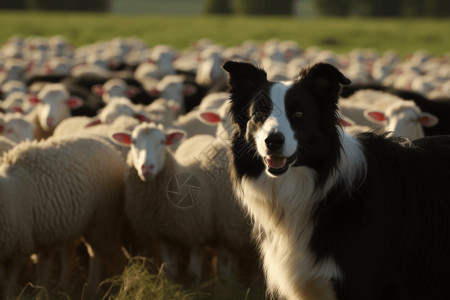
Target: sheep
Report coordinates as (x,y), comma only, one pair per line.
(14,69)
(156,186)
(16,127)
(162,111)
(402,118)
(232,226)
(5,144)
(13,86)
(53,106)
(213,101)
(111,89)
(54,191)
(193,124)
(17,102)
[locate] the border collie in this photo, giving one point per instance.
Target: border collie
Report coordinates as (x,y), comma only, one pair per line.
(338,216)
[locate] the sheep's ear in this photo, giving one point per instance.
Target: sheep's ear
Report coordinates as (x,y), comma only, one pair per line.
(244,77)
(346,122)
(122,138)
(93,122)
(97,90)
(174,137)
(377,117)
(428,120)
(17,109)
(131,91)
(2,128)
(142,118)
(209,117)
(175,107)
(74,102)
(189,89)
(154,92)
(34,100)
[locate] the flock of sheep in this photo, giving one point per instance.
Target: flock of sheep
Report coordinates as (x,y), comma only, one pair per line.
(122,148)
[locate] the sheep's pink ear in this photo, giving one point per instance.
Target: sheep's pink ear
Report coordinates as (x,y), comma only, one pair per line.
(74,102)
(17,109)
(122,138)
(94,122)
(174,107)
(34,100)
(209,117)
(29,66)
(189,89)
(131,91)
(346,122)
(154,92)
(142,118)
(151,61)
(174,137)
(375,116)
(428,120)
(97,90)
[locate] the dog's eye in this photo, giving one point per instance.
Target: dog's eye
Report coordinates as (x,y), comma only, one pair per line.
(258,114)
(298,114)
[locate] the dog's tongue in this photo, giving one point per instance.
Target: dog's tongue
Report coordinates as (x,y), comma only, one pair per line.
(276,162)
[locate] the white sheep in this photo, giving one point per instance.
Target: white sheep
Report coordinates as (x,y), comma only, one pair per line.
(5,144)
(162,111)
(211,154)
(53,105)
(112,88)
(18,102)
(377,110)
(13,86)
(55,191)
(119,107)
(165,199)
(16,127)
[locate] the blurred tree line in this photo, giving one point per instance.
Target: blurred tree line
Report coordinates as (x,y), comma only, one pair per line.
(373,8)
(76,5)
(339,8)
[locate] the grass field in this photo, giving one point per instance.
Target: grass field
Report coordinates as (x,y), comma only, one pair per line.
(341,35)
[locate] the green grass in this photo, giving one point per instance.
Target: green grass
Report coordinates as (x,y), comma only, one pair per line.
(341,35)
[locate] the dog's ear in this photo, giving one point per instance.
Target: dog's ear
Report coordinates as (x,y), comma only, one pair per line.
(244,77)
(324,79)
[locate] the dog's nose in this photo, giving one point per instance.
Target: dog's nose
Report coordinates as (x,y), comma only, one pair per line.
(274,141)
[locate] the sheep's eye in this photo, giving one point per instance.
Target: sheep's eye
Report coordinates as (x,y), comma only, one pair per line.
(298,114)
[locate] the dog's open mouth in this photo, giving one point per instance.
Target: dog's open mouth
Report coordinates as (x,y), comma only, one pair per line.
(277,165)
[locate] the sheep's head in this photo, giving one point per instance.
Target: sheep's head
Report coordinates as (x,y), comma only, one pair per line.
(54,105)
(147,152)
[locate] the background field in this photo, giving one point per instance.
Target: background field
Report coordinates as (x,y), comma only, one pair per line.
(341,35)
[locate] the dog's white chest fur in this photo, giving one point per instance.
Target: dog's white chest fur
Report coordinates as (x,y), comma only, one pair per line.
(282,210)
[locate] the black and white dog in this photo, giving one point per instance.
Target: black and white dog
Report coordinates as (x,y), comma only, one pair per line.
(339,216)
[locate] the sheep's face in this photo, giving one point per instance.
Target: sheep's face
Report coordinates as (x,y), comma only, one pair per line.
(18,129)
(148,146)
(115,109)
(54,105)
(53,110)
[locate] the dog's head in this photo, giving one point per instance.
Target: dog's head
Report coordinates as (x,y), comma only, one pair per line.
(283,124)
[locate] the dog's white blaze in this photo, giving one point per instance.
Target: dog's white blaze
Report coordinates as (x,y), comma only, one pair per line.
(277,122)
(282,209)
